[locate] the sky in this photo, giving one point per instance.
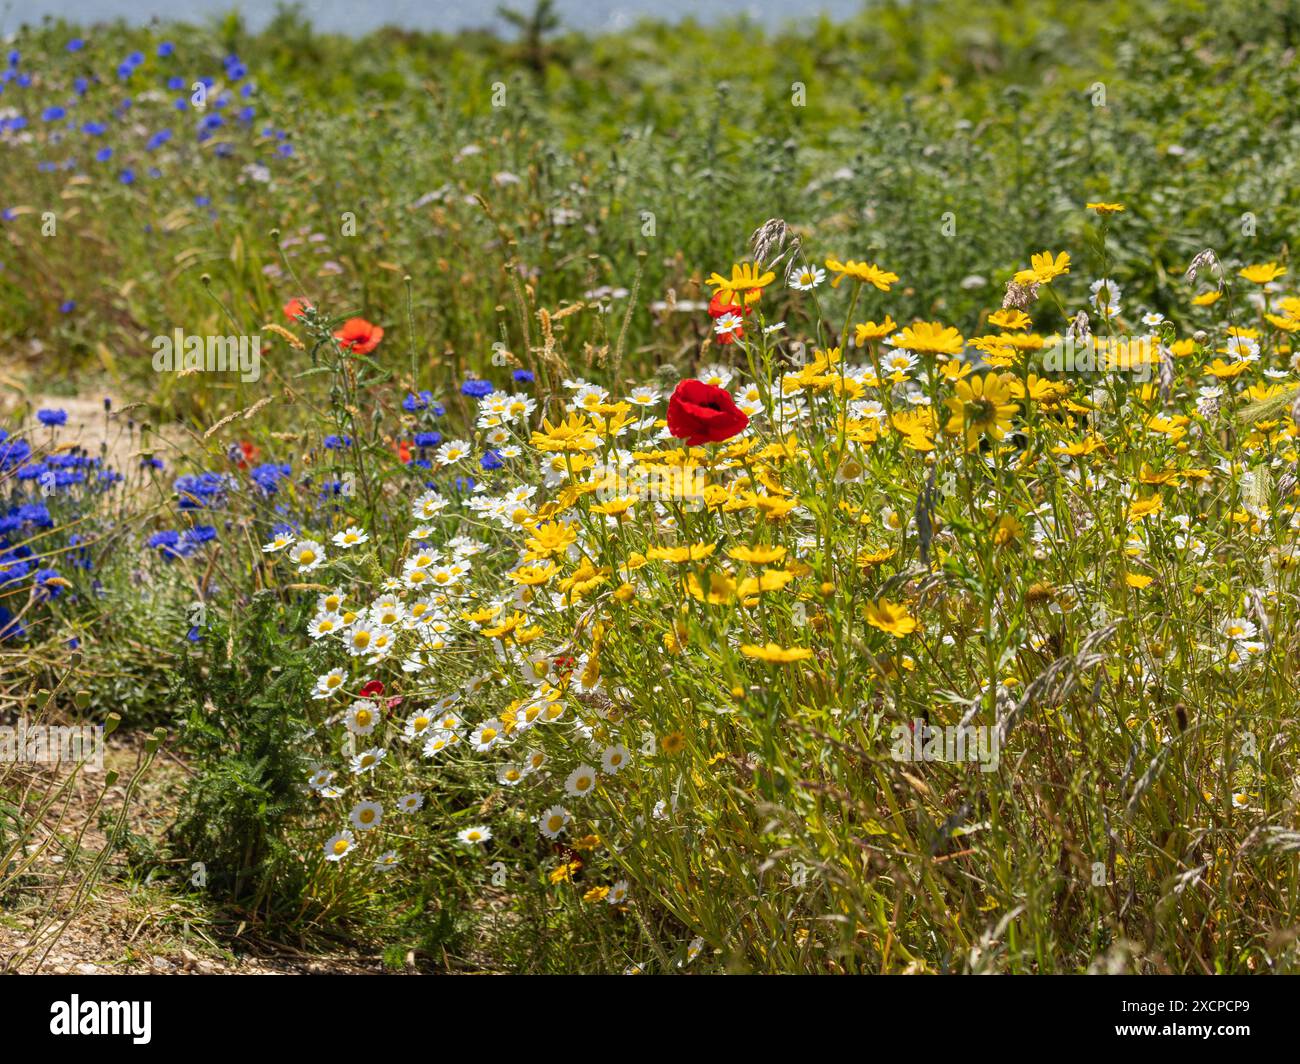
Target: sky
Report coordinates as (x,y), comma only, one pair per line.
(349,15)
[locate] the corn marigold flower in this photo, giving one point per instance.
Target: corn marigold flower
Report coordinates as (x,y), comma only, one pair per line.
(872,332)
(930,338)
(1044,268)
(1010,318)
(757,555)
(776,654)
(693,552)
(673,743)
(980,407)
(1140,508)
(890,618)
(1263,274)
(866,272)
(745,286)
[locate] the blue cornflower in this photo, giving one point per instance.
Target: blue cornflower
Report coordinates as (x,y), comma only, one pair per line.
(268,475)
(199,534)
(42,582)
(476,389)
(35,513)
(14,453)
(10,628)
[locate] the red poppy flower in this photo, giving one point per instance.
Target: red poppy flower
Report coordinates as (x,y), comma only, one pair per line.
(294,309)
(404,451)
(247,453)
(373,688)
(701,413)
(359,336)
(717,308)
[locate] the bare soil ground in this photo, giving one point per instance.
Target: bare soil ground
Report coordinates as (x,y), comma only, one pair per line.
(128,925)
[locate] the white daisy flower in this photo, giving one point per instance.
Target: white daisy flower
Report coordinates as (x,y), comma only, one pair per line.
(428,506)
(728,323)
(362,717)
(580,781)
(554,821)
(324,624)
(307,555)
(438,742)
(320,779)
(452,451)
(806,279)
(367,760)
(614,759)
(410,803)
(360,637)
(644,396)
(510,775)
(487,735)
(352,536)
(366,815)
(417,724)
(340,845)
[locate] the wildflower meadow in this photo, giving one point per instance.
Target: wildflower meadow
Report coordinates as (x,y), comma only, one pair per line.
(701,497)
